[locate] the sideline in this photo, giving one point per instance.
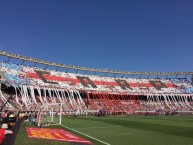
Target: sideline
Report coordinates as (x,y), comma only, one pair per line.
(85,135)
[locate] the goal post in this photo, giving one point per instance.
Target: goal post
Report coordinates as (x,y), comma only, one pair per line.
(54,112)
(50,113)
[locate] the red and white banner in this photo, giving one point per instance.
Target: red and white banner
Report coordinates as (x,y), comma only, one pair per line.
(55,134)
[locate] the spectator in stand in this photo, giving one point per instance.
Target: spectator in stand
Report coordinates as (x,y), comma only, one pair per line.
(8,120)
(4,131)
(11,114)
(4,115)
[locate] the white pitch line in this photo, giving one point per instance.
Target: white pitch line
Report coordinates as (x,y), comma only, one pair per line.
(86,135)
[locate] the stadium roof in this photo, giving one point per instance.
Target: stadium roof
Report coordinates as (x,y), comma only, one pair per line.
(77,68)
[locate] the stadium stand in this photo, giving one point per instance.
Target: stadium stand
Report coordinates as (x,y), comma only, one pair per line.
(34,86)
(27,88)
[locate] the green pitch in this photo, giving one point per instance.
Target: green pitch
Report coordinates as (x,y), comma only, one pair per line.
(131,130)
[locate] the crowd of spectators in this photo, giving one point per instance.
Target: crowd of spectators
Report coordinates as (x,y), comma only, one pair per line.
(25,75)
(7,122)
(31,92)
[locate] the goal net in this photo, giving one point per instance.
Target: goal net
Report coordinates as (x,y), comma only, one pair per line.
(50,114)
(53,113)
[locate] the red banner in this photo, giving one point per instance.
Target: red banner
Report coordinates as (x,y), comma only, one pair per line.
(55,134)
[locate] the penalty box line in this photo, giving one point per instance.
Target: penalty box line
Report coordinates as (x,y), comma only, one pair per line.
(86,135)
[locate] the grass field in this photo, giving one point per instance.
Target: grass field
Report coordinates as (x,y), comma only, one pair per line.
(133,130)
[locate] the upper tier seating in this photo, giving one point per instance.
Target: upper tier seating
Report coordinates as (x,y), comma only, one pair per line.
(24,75)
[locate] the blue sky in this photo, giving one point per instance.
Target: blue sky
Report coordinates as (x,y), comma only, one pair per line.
(128,35)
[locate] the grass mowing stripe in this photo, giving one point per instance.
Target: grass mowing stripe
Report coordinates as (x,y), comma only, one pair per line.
(138,123)
(107,123)
(150,126)
(99,127)
(86,135)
